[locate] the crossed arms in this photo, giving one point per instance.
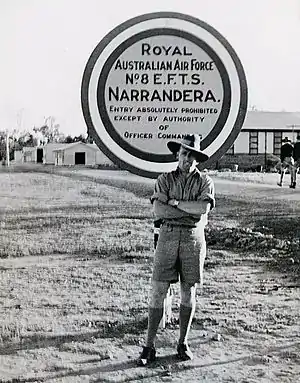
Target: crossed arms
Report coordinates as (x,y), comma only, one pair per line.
(173,209)
(170,208)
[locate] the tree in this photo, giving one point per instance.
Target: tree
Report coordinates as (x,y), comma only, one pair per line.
(15,143)
(68,139)
(80,138)
(50,131)
(2,145)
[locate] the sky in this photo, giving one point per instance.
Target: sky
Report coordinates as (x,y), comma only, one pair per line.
(45,45)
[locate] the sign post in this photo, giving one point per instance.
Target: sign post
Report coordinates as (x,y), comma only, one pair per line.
(158,77)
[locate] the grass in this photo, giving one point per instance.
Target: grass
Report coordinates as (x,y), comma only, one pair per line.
(49,215)
(45,214)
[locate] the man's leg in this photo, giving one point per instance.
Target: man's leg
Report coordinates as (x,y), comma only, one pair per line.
(297,163)
(156,307)
(187,310)
(186,313)
(282,172)
(293,170)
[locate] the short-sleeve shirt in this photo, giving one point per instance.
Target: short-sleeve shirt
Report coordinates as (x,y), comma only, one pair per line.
(296,153)
(196,186)
(286,151)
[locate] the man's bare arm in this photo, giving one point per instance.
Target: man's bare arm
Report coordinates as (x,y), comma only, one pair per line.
(164,211)
(193,208)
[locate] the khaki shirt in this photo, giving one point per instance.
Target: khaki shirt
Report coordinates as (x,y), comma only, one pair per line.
(195,187)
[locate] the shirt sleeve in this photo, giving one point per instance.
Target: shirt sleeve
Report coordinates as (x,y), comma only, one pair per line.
(207,191)
(161,192)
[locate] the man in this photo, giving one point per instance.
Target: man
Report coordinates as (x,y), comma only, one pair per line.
(296,156)
(287,161)
(182,200)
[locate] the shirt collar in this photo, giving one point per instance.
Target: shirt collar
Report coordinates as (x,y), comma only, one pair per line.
(180,172)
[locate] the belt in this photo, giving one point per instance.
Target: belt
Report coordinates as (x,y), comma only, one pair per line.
(170,224)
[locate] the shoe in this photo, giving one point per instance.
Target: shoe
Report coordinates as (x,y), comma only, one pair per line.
(293,185)
(147,356)
(279,184)
(184,352)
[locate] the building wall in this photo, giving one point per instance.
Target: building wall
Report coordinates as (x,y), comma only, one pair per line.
(29,154)
(69,154)
(90,157)
(101,159)
(18,156)
(241,144)
(49,154)
(68,157)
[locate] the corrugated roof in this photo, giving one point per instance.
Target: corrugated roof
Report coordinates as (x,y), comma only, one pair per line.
(271,120)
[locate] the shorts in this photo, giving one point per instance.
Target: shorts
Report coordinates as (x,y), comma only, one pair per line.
(180,252)
(287,163)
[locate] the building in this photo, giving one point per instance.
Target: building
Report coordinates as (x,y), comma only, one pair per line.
(263,132)
(76,153)
(37,154)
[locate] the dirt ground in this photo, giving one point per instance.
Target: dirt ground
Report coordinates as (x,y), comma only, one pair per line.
(255,312)
(246,327)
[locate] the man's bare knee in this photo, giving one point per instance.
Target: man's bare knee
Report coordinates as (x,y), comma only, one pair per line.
(188,294)
(158,293)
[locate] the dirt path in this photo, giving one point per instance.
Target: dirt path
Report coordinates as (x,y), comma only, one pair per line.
(255,312)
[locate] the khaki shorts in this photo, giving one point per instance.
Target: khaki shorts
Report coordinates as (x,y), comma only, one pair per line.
(287,163)
(180,252)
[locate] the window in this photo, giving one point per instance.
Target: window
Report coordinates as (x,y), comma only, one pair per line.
(277,142)
(230,151)
(253,142)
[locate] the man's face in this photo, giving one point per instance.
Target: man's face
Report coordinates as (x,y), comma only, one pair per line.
(186,159)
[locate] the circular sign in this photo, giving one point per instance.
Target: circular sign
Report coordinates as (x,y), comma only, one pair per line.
(159,77)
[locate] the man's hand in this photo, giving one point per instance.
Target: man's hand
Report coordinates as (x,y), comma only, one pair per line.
(173,202)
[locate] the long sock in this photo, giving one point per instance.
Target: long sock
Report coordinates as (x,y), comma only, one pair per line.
(185,320)
(154,318)
(281,178)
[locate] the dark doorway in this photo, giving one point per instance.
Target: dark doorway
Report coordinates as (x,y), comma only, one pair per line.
(79,158)
(39,155)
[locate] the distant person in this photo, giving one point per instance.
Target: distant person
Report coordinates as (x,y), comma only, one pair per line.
(182,199)
(296,156)
(287,161)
